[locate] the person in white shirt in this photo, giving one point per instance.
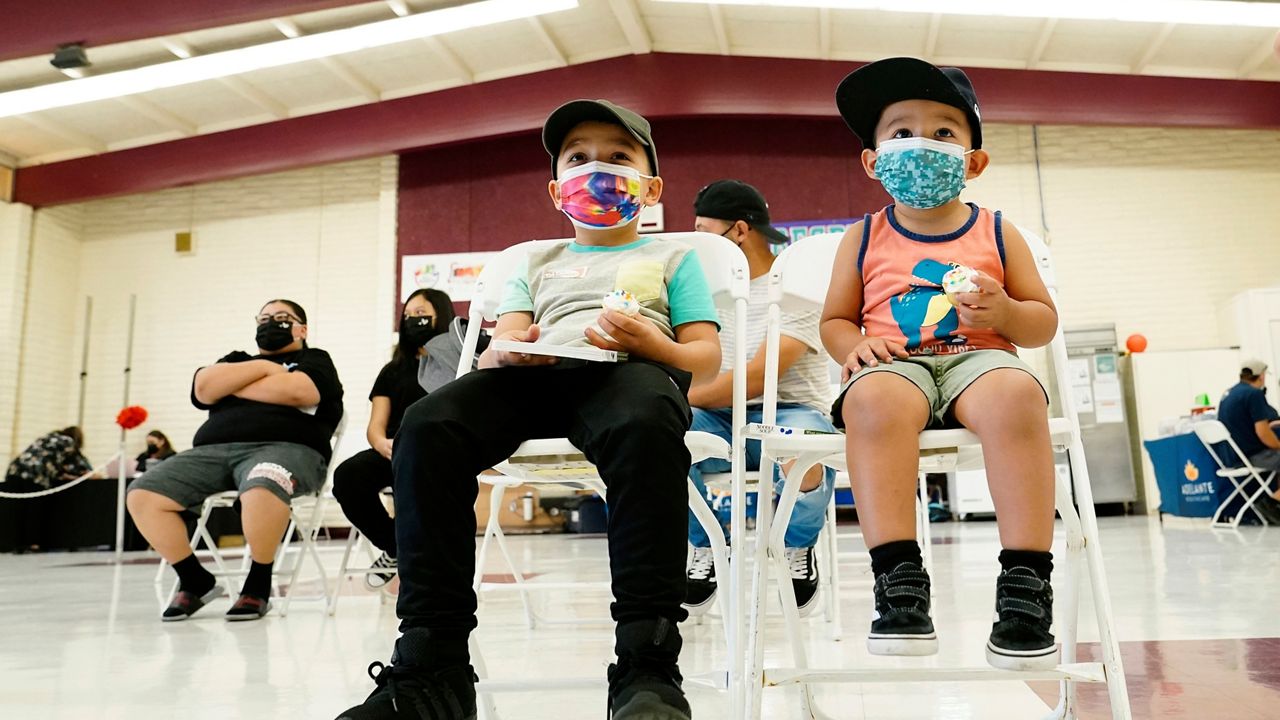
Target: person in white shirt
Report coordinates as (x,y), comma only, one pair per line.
(737,211)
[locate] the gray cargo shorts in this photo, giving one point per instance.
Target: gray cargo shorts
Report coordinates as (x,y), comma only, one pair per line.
(286,469)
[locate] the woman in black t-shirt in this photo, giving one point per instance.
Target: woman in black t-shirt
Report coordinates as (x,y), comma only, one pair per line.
(358,482)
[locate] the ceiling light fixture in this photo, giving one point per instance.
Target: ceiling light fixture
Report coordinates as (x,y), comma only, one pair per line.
(274,54)
(1182,12)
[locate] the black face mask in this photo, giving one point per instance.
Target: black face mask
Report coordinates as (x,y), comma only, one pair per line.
(152,448)
(273,336)
(415,332)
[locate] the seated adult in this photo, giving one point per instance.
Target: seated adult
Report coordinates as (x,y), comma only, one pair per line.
(158,448)
(49,461)
(271,417)
(1252,422)
(738,211)
(358,482)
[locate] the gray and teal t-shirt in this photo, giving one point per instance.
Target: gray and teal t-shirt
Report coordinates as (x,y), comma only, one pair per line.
(562,285)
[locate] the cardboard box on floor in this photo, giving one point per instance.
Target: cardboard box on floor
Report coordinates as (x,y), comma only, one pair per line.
(521,511)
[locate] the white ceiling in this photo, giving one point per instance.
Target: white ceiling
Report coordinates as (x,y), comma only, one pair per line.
(596,30)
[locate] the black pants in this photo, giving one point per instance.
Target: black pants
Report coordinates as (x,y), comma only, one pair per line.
(357,483)
(629,419)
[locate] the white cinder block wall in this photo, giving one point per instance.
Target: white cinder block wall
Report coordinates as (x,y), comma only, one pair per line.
(1152,229)
(324,237)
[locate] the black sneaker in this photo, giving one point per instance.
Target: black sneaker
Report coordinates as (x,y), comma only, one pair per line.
(901,624)
(248,607)
(1020,637)
(407,692)
(645,682)
(1269,508)
(373,580)
(700,593)
(804,578)
(185,604)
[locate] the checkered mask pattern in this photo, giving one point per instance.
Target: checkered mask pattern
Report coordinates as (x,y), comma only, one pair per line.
(919,172)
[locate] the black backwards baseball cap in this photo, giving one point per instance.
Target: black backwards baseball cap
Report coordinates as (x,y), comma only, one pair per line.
(569,115)
(864,94)
(734,200)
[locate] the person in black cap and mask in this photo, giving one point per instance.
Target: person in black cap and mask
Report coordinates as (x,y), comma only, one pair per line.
(271,417)
(359,480)
(929,299)
(737,211)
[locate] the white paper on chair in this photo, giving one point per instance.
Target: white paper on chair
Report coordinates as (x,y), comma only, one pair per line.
(576,352)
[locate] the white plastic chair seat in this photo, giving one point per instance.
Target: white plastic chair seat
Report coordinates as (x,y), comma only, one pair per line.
(702,445)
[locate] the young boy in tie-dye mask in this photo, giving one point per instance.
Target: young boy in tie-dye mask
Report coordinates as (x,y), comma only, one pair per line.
(928,298)
(629,418)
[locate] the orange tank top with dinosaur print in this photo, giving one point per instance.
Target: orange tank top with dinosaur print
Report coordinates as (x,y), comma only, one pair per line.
(902,297)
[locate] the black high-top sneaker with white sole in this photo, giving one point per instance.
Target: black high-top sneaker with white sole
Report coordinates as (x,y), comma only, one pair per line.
(417,685)
(901,624)
(1020,637)
(804,578)
(645,683)
(376,580)
(700,593)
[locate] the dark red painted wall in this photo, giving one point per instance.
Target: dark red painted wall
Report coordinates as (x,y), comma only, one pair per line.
(490,194)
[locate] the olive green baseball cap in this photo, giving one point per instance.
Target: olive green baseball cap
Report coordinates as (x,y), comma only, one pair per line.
(569,115)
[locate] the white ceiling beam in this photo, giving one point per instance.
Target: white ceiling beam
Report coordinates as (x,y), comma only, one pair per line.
(1256,58)
(8,159)
(628,17)
(162,115)
(824,33)
(557,53)
(255,95)
(82,141)
(237,85)
(1042,42)
(722,33)
(336,67)
(450,58)
(1153,47)
(931,38)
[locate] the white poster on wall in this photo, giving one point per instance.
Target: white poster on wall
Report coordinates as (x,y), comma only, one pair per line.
(454,273)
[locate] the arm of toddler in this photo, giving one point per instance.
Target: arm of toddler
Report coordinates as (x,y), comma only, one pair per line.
(840,327)
(1032,320)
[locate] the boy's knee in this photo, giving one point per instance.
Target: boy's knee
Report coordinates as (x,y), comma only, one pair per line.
(884,403)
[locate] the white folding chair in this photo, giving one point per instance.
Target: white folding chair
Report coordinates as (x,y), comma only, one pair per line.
(799,278)
(1213,433)
(305,520)
(557,461)
(356,539)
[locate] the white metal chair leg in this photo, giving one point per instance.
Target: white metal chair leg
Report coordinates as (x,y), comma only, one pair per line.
(487,707)
(352,538)
(719,550)
(925,531)
(831,570)
(1069,617)
(307,538)
(1117,687)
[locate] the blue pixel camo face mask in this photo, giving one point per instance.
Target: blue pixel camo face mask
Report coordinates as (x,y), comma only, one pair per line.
(919,172)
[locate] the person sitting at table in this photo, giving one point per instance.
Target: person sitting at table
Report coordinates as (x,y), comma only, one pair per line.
(53,459)
(158,448)
(1252,422)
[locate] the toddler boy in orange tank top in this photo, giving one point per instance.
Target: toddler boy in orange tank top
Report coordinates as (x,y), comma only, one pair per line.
(928,298)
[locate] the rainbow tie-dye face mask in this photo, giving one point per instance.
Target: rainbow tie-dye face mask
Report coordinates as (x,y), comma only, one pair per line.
(601,196)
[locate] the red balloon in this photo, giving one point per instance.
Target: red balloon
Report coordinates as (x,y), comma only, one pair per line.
(1136,343)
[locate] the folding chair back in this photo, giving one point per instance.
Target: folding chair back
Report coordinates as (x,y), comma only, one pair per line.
(1239,471)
